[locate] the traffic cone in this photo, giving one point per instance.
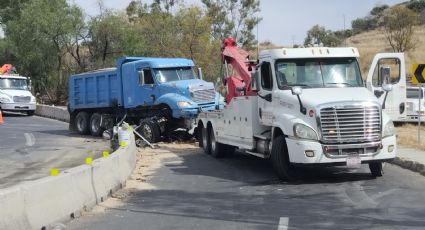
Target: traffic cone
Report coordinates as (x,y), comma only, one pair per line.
(1,118)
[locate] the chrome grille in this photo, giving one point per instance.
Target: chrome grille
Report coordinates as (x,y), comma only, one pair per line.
(203,96)
(350,123)
(21,99)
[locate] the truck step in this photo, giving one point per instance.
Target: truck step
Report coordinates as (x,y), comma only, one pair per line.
(257,154)
(261,137)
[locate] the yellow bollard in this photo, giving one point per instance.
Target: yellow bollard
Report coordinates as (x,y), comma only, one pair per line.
(105,153)
(89,160)
(54,172)
(123,144)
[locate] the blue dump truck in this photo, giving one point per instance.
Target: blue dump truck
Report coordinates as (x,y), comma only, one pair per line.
(160,95)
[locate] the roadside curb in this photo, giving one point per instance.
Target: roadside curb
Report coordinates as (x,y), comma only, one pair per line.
(410,165)
(54,112)
(52,200)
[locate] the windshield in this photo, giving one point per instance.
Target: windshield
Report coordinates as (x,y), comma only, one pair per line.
(318,73)
(413,93)
(12,83)
(174,74)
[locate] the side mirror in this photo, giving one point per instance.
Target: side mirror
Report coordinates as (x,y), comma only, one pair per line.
(385,72)
(296,90)
(255,82)
(141,77)
(387,87)
(200,73)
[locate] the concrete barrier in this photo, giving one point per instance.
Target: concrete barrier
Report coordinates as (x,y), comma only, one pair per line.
(44,203)
(54,112)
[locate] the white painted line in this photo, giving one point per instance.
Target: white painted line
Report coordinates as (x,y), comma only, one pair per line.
(30,139)
(283,223)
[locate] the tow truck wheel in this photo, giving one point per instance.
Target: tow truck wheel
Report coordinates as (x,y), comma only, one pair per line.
(206,145)
(82,122)
(376,169)
(217,149)
(95,128)
(150,131)
(280,160)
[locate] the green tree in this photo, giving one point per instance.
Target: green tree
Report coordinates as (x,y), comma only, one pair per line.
(39,39)
(236,18)
(319,35)
(10,10)
(398,24)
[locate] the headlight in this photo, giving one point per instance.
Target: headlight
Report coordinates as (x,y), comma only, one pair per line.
(33,99)
(388,129)
(305,132)
(4,99)
(183,104)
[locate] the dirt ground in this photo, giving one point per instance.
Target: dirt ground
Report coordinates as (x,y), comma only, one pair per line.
(407,136)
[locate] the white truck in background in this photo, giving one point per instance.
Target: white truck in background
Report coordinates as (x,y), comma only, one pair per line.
(303,107)
(15,94)
(413,110)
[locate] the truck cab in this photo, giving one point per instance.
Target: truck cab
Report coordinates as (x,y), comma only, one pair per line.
(15,94)
(168,82)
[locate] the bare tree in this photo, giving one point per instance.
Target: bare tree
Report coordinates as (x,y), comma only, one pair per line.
(398,24)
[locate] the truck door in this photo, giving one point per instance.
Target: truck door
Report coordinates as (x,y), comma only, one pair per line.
(265,95)
(147,91)
(395,105)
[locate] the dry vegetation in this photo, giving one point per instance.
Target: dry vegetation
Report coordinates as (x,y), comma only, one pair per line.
(407,136)
(373,42)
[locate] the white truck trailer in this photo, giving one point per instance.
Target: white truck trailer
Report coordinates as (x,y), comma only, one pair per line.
(303,107)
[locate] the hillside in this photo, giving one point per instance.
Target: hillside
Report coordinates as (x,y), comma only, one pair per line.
(372,42)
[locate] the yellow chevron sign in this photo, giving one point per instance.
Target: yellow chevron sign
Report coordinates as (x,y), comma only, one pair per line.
(418,73)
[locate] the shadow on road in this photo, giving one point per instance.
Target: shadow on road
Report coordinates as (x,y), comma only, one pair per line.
(256,171)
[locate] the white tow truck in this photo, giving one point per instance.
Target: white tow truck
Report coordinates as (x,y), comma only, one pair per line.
(303,107)
(15,94)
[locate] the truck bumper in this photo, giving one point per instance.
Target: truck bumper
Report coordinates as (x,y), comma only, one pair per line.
(300,151)
(17,106)
(190,113)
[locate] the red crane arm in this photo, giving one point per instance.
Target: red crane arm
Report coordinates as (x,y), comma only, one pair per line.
(240,84)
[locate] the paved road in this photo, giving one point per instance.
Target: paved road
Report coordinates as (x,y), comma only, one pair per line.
(191,190)
(30,146)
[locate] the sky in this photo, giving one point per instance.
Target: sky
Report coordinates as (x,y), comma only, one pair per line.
(284,22)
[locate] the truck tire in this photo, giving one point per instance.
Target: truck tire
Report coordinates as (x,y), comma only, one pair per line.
(150,131)
(30,112)
(82,121)
(217,149)
(95,128)
(206,145)
(280,160)
(376,169)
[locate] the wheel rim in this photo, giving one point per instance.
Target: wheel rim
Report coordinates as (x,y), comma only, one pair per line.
(94,125)
(147,132)
(204,138)
(213,143)
(80,124)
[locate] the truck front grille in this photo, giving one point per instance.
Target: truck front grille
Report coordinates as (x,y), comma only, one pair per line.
(350,123)
(203,96)
(21,99)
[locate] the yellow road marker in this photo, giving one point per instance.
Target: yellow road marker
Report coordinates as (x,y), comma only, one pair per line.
(105,153)
(123,144)
(89,160)
(54,172)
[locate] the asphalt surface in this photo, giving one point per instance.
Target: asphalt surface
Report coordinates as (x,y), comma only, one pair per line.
(191,190)
(31,146)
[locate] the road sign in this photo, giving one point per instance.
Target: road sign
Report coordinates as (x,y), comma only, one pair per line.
(418,73)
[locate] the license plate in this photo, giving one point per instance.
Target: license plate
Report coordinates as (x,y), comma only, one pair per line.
(354,161)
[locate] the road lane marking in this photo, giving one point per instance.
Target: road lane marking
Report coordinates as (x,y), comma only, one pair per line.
(283,223)
(30,139)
